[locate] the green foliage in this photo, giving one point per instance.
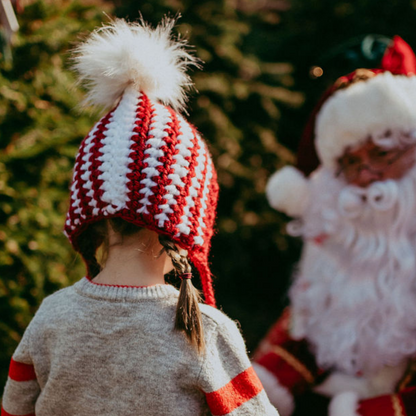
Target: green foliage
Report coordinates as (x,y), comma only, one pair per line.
(41,129)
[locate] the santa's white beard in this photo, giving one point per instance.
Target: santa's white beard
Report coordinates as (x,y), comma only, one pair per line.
(354,296)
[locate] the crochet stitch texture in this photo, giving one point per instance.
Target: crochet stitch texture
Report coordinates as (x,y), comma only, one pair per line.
(143,162)
(146,164)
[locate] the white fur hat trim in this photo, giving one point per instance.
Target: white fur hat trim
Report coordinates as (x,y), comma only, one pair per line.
(366,108)
(287,191)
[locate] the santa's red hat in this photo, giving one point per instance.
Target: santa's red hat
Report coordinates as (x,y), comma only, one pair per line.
(345,118)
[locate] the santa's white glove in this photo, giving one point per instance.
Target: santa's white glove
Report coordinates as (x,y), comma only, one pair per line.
(344,404)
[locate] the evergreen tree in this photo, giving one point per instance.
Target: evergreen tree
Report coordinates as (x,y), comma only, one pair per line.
(41,128)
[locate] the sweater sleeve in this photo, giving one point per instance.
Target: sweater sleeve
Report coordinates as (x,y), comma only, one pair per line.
(230,384)
(22,388)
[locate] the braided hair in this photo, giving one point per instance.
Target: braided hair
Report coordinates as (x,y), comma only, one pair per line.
(188,316)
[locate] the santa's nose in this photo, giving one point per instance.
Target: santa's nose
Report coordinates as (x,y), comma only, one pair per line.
(366,176)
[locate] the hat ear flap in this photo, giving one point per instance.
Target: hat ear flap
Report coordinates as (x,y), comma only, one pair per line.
(287,191)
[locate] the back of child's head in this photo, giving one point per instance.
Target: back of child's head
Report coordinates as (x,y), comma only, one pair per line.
(143,163)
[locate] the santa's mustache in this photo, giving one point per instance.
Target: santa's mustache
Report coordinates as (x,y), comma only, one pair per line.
(382,206)
(371,224)
(380,196)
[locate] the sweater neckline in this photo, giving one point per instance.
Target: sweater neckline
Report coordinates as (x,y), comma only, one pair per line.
(88,288)
(110,285)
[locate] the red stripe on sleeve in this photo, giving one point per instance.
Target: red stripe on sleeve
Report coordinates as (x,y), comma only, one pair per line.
(238,391)
(4,413)
(21,372)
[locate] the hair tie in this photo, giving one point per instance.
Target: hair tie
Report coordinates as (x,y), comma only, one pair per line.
(185,276)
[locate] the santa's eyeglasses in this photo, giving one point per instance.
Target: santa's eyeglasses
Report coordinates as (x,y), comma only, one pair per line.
(376,159)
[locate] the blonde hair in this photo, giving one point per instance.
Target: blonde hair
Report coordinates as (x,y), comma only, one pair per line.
(188,316)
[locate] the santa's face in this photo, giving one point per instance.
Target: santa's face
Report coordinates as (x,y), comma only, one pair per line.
(354,297)
(371,162)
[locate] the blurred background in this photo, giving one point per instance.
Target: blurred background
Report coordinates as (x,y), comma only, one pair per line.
(266,64)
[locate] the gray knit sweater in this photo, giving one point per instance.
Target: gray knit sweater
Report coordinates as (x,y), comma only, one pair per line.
(105,350)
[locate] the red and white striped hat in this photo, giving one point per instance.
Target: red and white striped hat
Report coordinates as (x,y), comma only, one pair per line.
(143,162)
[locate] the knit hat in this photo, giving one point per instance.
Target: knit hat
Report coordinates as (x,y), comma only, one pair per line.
(346,117)
(143,162)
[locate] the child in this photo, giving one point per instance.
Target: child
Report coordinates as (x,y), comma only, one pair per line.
(144,189)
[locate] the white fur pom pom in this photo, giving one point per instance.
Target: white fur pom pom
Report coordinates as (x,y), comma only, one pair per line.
(122,54)
(287,191)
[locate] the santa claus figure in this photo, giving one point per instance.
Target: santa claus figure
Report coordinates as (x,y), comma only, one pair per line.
(349,334)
